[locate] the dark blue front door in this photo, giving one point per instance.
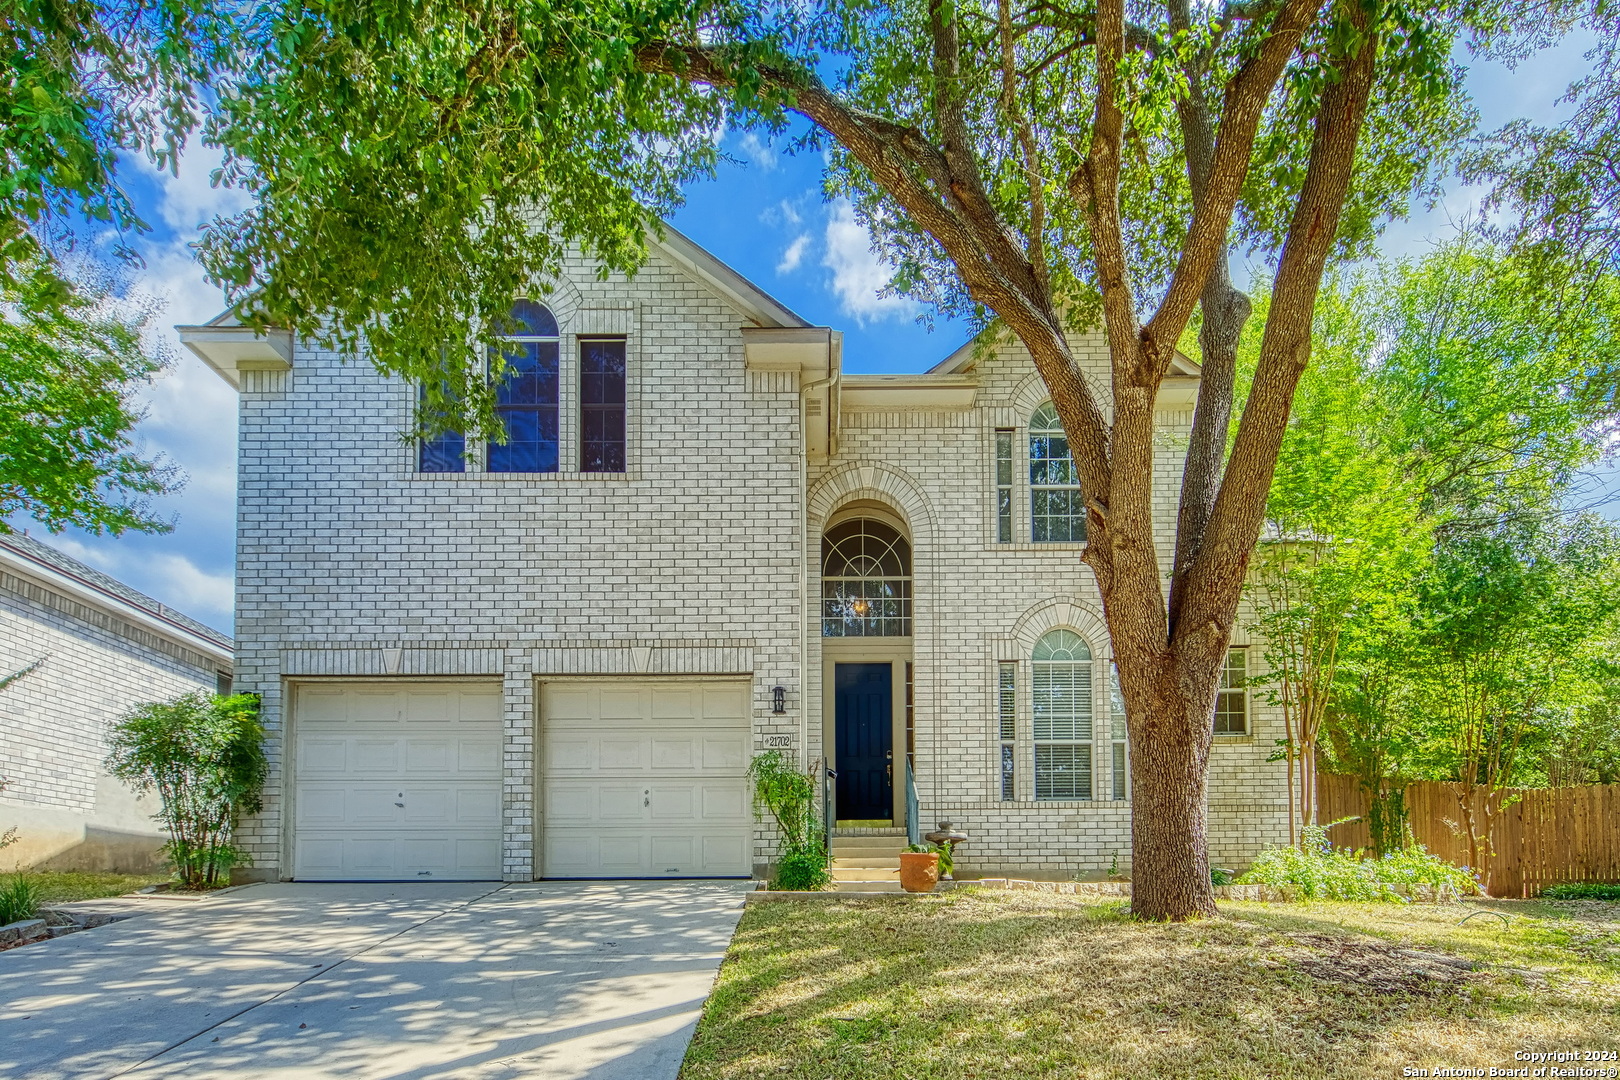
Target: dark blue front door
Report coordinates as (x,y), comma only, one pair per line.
(864,719)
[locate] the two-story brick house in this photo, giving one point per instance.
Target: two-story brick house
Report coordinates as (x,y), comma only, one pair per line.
(555,657)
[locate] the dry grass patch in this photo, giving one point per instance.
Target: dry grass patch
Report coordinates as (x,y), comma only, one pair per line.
(996,984)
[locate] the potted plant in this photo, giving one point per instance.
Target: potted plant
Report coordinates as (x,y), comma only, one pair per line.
(919,868)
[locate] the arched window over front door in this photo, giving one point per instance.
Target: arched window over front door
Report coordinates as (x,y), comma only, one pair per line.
(865,580)
(1061,694)
(1057,510)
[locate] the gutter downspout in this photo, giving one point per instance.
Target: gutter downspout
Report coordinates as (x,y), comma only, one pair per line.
(834,374)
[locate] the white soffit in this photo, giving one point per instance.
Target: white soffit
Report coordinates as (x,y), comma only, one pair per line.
(230,348)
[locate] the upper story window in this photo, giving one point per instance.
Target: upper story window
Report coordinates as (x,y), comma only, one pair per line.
(1060,691)
(445,452)
(1004,485)
(526,397)
(602,405)
(1232,698)
(1057,509)
(865,581)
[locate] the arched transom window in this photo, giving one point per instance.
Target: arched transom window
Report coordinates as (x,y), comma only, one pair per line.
(526,397)
(1061,694)
(1057,511)
(865,581)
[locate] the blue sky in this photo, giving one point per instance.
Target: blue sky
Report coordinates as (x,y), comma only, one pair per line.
(765,215)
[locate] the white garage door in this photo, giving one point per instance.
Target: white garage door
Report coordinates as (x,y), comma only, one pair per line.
(397,782)
(646,779)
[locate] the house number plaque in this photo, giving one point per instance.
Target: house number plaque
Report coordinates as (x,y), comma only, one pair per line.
(778,742)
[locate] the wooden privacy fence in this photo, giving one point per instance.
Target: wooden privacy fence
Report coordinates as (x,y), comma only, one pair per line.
(1548,835)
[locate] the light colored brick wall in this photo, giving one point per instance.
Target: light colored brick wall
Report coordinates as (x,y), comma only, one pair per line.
(979,602)
(352,563)
(53,724)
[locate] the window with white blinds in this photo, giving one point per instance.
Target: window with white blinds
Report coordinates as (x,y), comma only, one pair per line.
(1007,719)
(1060,692)
(1116,731)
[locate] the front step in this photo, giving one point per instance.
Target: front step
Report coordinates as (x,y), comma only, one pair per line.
(867,860)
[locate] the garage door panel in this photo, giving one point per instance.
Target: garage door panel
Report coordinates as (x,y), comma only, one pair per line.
(621,704)
(673,753)
(397,783)
(617,753)
(725,754)
(317,756)
(650,781)
(726,703)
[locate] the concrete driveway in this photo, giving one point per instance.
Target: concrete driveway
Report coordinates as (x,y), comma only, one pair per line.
(553,980)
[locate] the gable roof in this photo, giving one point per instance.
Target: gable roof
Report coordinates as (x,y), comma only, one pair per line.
(1181,365)
(34,555)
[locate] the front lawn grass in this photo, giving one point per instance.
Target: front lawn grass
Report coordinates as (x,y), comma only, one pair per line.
(61,887)
(1017,984)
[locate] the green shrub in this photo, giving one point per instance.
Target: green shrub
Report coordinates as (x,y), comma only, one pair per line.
(790,796)
(19,898)
(1581,890)
(802,871)
(204,756)
(1321,873)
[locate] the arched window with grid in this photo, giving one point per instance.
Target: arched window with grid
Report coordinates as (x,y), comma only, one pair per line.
(526,396)
(1057,510)
(865,581)
(1060,689)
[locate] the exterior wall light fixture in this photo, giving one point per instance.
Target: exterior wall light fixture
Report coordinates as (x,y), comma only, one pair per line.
(778,699)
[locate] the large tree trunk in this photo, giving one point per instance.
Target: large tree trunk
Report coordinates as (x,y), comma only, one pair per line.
(1169,777)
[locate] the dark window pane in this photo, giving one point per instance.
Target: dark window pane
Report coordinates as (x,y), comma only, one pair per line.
(602,405)
(533,319)
(444,452)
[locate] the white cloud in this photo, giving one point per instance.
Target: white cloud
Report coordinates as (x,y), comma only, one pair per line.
(190,199)
(760,152)
(859,277)
(784,214)
(794,255)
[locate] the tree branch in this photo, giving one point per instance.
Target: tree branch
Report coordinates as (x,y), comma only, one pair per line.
(1214,578)
(1036,244)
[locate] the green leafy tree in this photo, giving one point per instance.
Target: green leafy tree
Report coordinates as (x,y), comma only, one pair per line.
(1346,541)
(1047,168)
(70,365)
(83,83)
(1509,619)
(204,756)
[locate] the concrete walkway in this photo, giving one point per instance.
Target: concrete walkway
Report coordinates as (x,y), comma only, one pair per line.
(553,980)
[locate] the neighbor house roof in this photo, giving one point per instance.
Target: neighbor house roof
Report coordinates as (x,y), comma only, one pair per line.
(48,565)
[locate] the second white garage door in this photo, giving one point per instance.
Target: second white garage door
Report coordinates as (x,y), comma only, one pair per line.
(646,779)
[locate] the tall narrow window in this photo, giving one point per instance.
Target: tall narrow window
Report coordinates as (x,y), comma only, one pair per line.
(1057,509)
(1231,700)
(1004,479)
(1116,731)
(865,581)
(1007,717)
(601,405)
(1061,693)
(911,713)
(526,396)
(445,452)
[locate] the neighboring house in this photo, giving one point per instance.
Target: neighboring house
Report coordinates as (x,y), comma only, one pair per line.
(101,647)
(555,657)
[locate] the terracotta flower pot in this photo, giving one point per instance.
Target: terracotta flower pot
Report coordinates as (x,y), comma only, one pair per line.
(919,871)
